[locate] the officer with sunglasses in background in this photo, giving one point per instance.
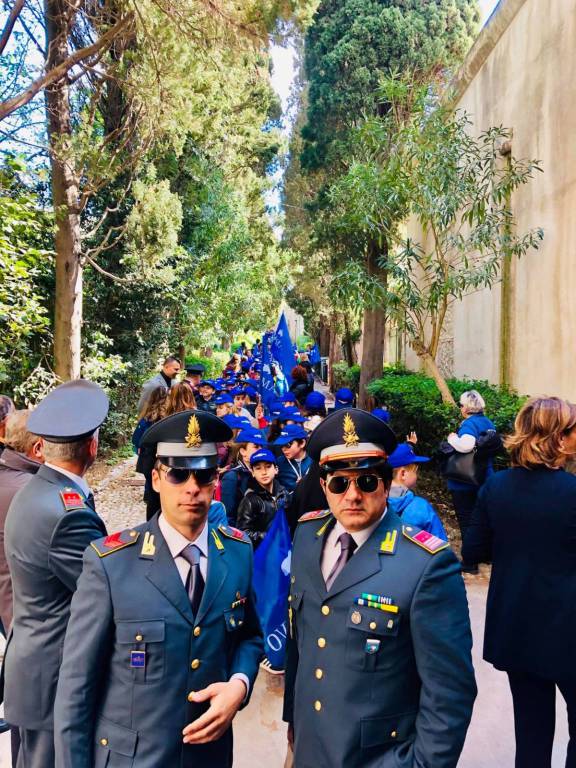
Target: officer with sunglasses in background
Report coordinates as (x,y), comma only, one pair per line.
(379,669)
(163,644)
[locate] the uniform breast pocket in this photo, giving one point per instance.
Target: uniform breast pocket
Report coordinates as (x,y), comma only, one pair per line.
(371,638)
(142,649)
(234,618)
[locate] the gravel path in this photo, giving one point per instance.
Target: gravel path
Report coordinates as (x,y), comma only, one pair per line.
(118,497)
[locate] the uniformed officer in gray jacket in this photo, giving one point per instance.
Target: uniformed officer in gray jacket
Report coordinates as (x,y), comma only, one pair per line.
(50,522)
(163,644)
(379,669)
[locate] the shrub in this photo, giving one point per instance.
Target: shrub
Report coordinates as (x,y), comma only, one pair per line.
(214,364)
(345,376)
(415,404)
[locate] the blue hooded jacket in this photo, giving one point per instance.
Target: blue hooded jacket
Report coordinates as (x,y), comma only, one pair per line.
(417,511)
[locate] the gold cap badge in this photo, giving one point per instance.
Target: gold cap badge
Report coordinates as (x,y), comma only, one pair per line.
(350,436)
(193,439)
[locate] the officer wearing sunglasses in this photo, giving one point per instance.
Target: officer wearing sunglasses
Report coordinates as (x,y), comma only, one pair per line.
(379,669)
(164,643)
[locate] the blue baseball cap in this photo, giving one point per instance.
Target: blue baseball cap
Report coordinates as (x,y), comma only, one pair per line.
(223,398)
(315,400)
(251,435)
(236,422)
(343,397)
(404,455)
(237,391)
(382,413)
(291,432)
(251,392)
(262,454)
(207,383)
(291,414)
(288,398)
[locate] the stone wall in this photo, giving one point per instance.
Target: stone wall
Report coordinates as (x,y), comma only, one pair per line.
(521,73)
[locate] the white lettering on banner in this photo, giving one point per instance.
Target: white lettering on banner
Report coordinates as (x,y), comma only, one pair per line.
(276,639)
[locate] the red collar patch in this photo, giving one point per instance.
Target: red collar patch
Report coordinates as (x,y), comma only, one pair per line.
(113,541)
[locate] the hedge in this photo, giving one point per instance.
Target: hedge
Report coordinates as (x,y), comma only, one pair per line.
(415,404)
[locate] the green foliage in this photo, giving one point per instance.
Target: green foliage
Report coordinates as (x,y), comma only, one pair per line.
(415,403)
(213,365)
(345,376)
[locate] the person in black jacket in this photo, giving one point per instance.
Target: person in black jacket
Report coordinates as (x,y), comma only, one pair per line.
(525,523)
(263,498)
(301,386)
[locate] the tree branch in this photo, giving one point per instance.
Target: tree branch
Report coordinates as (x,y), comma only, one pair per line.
(115,278)
(59,71)
(15,11)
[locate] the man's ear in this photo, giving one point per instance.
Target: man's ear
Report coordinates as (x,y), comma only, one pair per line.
(156,480)
(323,484)
(38,450)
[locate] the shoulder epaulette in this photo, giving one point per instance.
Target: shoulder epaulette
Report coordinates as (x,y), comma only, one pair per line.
(114,542)
(72,499)
(427,541)
(234,533)
(317,514)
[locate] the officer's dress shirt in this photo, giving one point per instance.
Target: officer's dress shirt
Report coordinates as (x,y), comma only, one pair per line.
(80,482)
(332,548)
(177,543)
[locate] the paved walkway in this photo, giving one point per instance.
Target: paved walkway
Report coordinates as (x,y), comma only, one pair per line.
(260,740)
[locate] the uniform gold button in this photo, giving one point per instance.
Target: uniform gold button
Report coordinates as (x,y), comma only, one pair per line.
(139,638)
(321,642)
(289,598)
(197,631)
(191,696)
(292,579)
(373,625)
(319,674)
(132,533)
(195,664)
(104,742)
(317,706)
(325,610)
(393,735)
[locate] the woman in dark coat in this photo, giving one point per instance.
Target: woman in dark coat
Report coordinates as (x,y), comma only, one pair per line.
(300,386)
(525,523)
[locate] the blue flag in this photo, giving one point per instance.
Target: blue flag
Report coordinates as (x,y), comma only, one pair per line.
(314,355)
(282,350)
(271,585)
(267,392)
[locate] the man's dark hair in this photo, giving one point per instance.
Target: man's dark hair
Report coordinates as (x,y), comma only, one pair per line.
(171,359)
(6,406)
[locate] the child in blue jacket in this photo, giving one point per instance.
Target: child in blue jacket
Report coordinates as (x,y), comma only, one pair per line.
(403,501)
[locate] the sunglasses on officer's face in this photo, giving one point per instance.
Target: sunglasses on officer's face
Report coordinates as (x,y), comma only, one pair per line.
(366,483)
(178,476)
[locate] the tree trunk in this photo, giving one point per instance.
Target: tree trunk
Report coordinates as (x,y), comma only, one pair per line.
(335,350)
(68,296)
(182,353)
(373,335)
(433,371)
(348,348)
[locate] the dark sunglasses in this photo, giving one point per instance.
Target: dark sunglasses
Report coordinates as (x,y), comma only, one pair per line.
(365,483)
(178,476)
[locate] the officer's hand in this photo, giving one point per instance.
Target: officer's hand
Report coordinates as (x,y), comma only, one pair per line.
(225,700)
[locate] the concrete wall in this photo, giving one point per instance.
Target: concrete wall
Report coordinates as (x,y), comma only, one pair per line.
(521,73)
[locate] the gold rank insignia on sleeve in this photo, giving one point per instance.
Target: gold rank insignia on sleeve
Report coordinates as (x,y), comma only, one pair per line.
(114,542)
(427,541)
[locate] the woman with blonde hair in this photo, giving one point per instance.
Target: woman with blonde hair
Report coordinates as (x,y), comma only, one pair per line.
(525,523)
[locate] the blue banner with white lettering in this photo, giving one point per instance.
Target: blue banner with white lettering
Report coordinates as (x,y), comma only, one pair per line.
(266,379)
(314,355)
(271,585)
(282,349)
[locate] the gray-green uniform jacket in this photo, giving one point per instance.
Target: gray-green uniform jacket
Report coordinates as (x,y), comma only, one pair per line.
(134,651)
(48,527)
(367,687)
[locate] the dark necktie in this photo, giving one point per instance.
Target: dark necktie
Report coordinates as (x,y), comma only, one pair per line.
(347,549)
(90,501)
(195,580)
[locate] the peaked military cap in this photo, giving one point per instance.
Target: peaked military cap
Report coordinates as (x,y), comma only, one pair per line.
(70,412)
(195,369)
(351,439)
(188,439)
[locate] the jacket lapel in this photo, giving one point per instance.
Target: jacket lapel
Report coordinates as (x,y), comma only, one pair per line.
(315,550)
(366,561)
(215,576)
(163,573)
